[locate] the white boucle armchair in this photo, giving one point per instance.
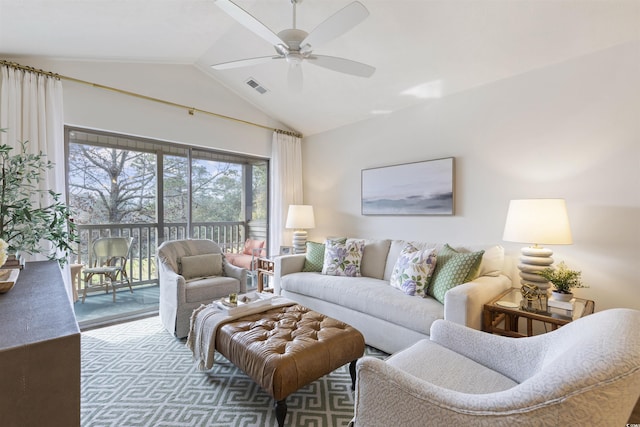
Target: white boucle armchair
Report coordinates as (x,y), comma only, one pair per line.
(585,373)
(193,272)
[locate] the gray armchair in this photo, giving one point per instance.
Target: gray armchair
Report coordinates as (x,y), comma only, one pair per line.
(193,272)
(585,373)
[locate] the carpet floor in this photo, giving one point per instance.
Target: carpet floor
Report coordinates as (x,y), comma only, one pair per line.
(137,374)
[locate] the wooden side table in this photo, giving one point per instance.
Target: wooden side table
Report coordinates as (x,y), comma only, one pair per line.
(508,308)
(266,267)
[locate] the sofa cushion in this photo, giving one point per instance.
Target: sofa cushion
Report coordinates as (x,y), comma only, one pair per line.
(413,270)
(210,288)
(452,269)
(314,257)
(366,295)
(395,247)
(343,259)
(374,257)
(443,367)
(492,261)
(204,265)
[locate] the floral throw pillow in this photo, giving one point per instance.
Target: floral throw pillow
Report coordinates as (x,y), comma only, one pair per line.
(413,269)
(343,259)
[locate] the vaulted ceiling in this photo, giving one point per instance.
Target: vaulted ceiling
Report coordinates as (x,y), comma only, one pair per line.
(422,49)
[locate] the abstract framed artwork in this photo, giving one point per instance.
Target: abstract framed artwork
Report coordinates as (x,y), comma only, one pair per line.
(420,188)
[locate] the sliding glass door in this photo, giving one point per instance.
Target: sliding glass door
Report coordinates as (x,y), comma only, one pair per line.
(155,191)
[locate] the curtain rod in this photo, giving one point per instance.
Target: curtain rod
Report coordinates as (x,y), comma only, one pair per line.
(190,110)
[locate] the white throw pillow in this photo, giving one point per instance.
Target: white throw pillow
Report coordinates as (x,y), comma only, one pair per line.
(413,269)
(492,261)
(205,265)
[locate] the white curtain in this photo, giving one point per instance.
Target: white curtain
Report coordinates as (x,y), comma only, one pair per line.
(286,187)
(31,110)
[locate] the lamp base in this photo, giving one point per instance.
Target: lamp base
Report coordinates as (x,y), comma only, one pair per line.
(533,260)
(299,241)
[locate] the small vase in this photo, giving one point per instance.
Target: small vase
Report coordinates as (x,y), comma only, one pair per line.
(560,296)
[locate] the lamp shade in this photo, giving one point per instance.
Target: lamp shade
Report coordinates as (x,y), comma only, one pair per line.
(538,221)
(300,217)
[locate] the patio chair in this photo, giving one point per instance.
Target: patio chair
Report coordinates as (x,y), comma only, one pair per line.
(248,258)
(108,259)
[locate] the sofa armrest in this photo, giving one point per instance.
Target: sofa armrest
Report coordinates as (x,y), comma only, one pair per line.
(490,350)
(172,284)
(284,265)
(463,304)
(389,396)
(239,273)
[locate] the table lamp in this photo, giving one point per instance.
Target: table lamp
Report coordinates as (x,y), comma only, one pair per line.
(300,218)
(537,221)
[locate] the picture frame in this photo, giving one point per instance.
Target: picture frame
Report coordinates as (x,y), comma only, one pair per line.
(418,188)
(286,250)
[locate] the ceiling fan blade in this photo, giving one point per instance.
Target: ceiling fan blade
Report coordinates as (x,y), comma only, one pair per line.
(244,62)
(294,78)
(336,25)
(246,19)
(342,65)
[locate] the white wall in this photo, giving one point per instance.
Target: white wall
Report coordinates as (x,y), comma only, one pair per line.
(569,131)
(96,108)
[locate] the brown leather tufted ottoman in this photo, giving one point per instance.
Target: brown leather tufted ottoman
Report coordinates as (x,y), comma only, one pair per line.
(286,348)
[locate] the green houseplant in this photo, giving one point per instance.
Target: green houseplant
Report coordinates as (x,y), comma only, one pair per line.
(27,216)
(563,279)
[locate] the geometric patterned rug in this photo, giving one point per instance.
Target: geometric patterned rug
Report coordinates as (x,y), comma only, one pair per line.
(137,374)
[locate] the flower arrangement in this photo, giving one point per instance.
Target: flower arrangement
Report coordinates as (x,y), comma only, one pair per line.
(563,278)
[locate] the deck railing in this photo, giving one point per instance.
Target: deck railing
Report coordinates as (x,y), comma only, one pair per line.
(141,267)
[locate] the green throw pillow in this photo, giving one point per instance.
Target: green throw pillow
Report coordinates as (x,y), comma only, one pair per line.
(314,257)
(452,269)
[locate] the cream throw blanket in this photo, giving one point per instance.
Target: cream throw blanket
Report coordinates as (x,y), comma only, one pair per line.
(204,324)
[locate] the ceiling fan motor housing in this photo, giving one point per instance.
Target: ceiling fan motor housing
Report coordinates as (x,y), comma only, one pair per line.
(293,37)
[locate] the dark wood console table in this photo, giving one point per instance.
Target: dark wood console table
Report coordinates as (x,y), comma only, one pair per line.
(39,351)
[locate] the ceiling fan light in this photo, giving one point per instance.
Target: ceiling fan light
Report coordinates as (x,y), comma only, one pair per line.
(294,59)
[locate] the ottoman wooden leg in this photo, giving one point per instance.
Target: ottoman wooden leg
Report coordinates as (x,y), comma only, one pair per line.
(281,412)
(352,372)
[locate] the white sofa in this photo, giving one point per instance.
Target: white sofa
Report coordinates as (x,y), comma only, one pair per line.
(389,319)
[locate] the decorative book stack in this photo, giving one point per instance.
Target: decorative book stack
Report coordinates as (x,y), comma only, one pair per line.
(564,308)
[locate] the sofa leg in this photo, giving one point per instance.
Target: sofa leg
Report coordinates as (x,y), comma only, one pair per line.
(281,412)
(352,372)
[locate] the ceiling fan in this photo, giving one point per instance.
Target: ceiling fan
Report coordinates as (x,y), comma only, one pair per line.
(296,46)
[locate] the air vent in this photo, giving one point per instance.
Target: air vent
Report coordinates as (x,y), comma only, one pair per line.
(257,86)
